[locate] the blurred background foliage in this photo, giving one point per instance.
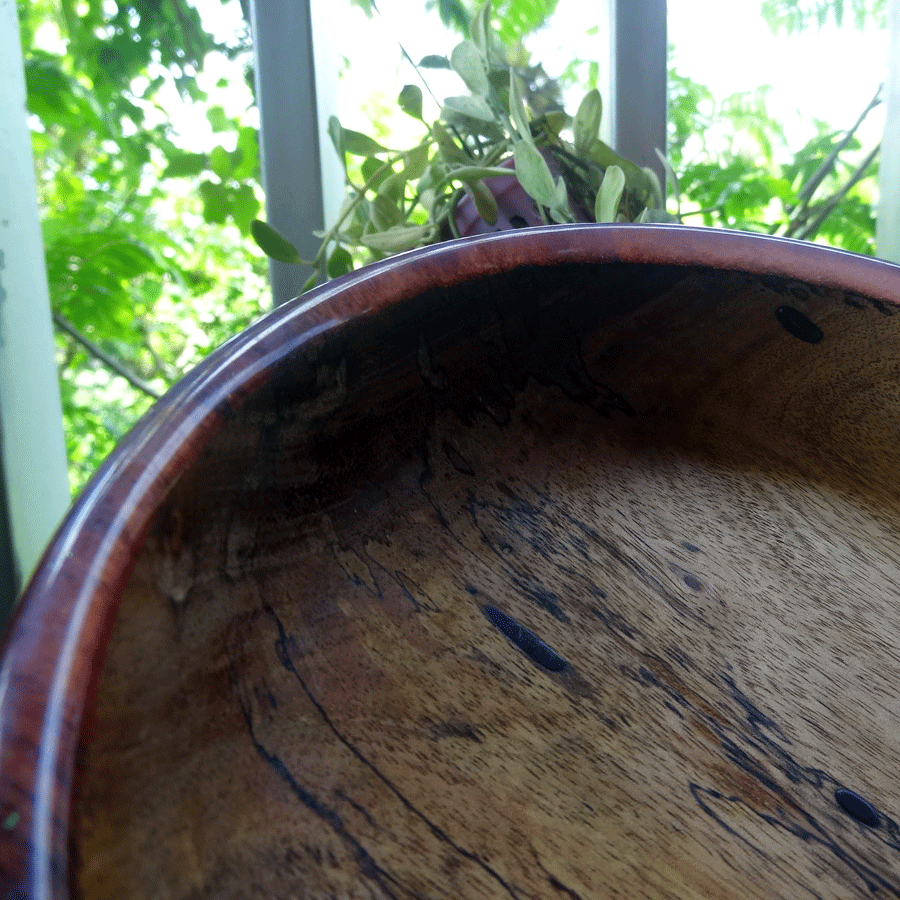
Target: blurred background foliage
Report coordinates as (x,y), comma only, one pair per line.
(147,242)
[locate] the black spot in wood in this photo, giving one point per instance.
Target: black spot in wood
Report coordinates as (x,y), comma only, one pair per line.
(527,641)
(471,590)
(799,291)
(794,322)
(859,809)
(691,548)
(693,582)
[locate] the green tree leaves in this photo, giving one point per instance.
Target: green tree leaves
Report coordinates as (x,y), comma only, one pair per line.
(756,182)
(143,233)
(185,165)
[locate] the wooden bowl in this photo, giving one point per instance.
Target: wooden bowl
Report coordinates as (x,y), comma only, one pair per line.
(561,563)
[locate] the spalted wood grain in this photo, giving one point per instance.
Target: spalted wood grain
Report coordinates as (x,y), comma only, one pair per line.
(573,580)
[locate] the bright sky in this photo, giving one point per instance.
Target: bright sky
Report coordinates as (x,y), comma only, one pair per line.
(831,74)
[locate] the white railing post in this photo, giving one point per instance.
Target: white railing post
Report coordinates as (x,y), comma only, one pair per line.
(32,446)
(296,84)
(887,236)
(633,80)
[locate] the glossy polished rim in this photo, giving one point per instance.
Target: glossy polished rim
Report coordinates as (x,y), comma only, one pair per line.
(55,644)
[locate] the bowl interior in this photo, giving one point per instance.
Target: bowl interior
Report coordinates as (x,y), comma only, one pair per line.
(574,581)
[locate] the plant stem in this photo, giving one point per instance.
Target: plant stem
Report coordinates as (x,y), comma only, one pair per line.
(332,232)
(418,72)
(827,208)
(797,216)
(98,353)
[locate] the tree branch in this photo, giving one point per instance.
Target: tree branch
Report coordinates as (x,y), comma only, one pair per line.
(797,218)
(110,362)
(808,231)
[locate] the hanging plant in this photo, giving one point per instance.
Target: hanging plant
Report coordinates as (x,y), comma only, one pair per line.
(507,126)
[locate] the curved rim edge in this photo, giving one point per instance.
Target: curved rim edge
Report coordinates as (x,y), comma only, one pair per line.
(59,625)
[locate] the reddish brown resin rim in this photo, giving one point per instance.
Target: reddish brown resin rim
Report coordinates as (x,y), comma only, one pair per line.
(55,644)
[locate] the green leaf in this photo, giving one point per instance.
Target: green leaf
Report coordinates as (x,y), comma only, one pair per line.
(517,108)
(609,196)
(185,165)
(670,175)
(480,28)
(273,243)
(471,174)
(127,260)
(385,212)
(485,202)
(398,238)
(245,207)
(220,162)
(370,167)
(562,193)
(336,133)
(656,194)
(248,146)
(473,107)
(393,186)
(586,126)
(434,62)
(340,262)
(48,88)
(216,205)
(554,121)
(410,100)
(362,215)
(217,119)
(451,152)
(470,65)
(357,144)
(416,162)
(467,125)
(534,174)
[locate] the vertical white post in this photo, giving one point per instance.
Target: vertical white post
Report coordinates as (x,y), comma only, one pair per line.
(887,237)
(606,62)
(638,96)
(296,82)
(32,447)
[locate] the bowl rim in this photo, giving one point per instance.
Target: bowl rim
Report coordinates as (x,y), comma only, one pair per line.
(55,643)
